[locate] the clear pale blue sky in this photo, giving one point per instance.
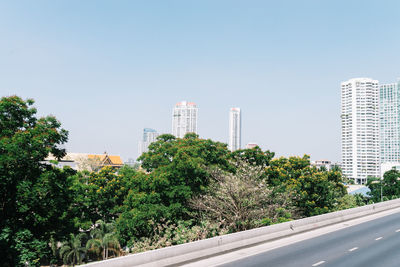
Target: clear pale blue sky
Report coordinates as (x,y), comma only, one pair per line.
(107,69)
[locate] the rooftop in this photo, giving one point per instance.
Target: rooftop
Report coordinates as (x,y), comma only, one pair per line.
(185,103)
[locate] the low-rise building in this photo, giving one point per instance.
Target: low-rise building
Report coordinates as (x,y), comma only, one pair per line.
(327,164)
(251,145)
(85,161)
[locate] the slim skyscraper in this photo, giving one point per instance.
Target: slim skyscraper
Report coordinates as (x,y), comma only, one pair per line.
(389,101)
(235,129)
(184,119)
(360,129)
(149,136)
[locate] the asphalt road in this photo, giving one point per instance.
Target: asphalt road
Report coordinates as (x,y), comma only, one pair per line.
(373,243)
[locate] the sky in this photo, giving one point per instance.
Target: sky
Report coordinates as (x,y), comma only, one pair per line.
(108,69)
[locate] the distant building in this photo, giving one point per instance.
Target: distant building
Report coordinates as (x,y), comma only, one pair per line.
(184,119)
(235,129)
(389,118)
(358,189)
(360,129)
(149,136)
(83,161)
(251,145)
(327,164)
(132,163)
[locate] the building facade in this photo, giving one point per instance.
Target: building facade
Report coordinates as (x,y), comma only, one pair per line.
(149,136)
(327,164)
(389,118)
(235,129)
(360,129)
(184,119)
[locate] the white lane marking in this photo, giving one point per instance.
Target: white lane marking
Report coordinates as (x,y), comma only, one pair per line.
(398,230)
(379,238)
(318,263)
(352,249)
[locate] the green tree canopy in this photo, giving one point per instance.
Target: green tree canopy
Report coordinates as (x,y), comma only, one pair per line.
(99,195)
(316,191)
(27,185)
(390,184)
(253,155)
(176,170)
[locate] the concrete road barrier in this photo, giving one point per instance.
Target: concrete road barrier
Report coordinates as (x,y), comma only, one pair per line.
(179,254)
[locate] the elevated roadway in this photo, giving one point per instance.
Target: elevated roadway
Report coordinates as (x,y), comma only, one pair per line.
(369,241)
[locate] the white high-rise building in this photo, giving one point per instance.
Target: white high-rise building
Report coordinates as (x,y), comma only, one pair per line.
(389,101)
(149,136)
(235,129)
(360,129)
(184,119)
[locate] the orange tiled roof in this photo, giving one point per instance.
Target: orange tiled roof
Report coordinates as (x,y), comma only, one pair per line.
(100,157)
(115,160)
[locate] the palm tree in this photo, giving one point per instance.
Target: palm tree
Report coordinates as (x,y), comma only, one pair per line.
(103,239)
(72,250)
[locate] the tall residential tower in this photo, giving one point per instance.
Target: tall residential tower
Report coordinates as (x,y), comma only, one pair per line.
(389,116)
(360,129)
(235,129)
(184,119)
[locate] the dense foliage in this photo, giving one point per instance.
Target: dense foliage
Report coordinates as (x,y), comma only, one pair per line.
(242,200)
(33,196)
(317,191)
(176,172)
(186,189)
(386,188)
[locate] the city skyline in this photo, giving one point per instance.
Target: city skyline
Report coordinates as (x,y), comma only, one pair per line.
(108,70)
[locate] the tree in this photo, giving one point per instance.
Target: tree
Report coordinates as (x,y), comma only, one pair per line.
(103,239)
(99,195)
(389,184)
(318,191)
(242,201)
(30,249)
(175,172)
(253,155)
(45,203)
(72,251)
(25,141)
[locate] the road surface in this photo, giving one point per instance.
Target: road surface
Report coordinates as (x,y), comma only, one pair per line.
(373,243)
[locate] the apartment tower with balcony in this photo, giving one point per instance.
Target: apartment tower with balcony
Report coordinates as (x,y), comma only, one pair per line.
(389,117)
(360,129)
(184,119)
(235,129)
